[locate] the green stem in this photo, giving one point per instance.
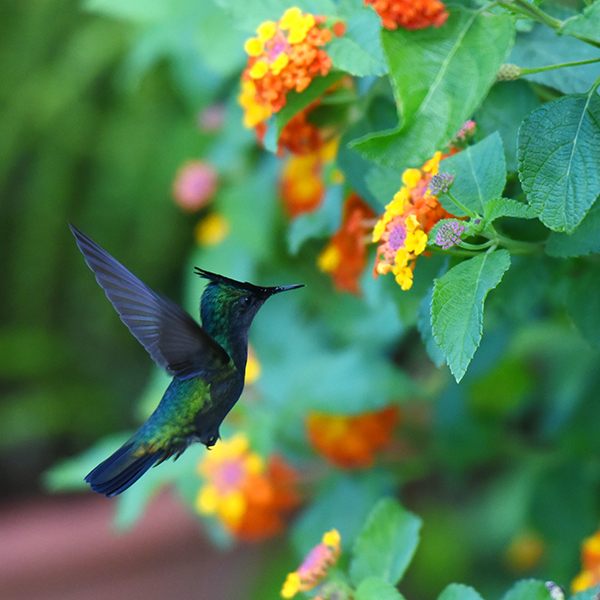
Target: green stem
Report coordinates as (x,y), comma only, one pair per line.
(461,205)
(551,67)
(483,246)
(532,11)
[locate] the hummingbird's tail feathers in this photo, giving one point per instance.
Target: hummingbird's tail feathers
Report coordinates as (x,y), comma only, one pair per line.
(121,470)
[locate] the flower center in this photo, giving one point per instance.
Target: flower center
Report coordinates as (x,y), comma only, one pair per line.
(397,237)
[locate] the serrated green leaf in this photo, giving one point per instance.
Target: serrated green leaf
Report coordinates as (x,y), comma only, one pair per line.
(457,591)
(584,26)
(428,69)
(375,588)
(295,103)
(559,159)
(528,589)
(359,50)
(583,304)
(457,306)
(385,546)
(507,207)
(479,175)
(583,241)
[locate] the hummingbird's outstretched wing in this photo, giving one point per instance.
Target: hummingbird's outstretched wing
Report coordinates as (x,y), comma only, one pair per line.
(174,340)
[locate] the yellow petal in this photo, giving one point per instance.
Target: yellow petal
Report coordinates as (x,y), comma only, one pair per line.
(266,31)
(291,585)
(207,500)
(259,69)
(253,47)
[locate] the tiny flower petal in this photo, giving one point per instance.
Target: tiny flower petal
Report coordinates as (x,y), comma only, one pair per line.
(253,47)
(266,30)
(259,69)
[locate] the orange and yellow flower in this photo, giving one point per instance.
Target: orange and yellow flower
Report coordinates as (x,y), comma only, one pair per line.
(286,55)
(345,256)
(302,184)
(402,230)
(590,561)
(410,14)
(314,567)
(250,496)
(352,442)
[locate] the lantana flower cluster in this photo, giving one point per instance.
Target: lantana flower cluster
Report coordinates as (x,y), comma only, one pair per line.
(250,496)
(286,55)
(401,233)
(314,567)
(409,14)
(590,559)
(352,441)
(345,255)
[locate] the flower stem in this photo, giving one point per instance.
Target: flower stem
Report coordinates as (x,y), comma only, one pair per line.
(551,67)
(460,205)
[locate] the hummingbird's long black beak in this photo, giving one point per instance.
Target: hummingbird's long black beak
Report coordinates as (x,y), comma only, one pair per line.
(284,288)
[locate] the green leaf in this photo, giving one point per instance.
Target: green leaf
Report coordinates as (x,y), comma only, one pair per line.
(584,240)
(295,103)
(583,304)
(504,109)
(135,10)
(386,545)
(507,207)
(559,159)
(584,26)
(457,591)
(429,69)
(479,175)
(457,306)
(528,589)
(319,224)
(375,588)
(359,52)
(343,503)
(544,47)
(424,327)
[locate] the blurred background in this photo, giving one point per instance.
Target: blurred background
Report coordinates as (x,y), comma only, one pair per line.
(102,107)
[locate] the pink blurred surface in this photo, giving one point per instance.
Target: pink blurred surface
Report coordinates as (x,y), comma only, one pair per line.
(65,548)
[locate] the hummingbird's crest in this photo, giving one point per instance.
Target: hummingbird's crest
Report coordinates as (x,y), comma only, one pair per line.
(260,292)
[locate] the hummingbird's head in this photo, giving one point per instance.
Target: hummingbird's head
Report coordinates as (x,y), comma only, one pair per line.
(227,303)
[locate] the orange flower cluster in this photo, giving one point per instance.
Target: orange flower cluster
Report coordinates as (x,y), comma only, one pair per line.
(250,497)
(285,56)
(590,559)
(345,256)
(408,218)
(302,185)
(352,442)
(409,14)
(314,567)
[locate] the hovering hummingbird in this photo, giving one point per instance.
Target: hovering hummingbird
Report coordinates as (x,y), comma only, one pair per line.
(208,363)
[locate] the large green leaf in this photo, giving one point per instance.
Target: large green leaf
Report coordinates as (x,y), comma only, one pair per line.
(583,304)
(504,109)
(559,159)
(429,69)
(507,207)
(586,25)
(375,588)
(359,50)
(457,591)
(457,306)
(343,503)
(385,546)
(543,46)
(528,589)
(584,240)
(479,175)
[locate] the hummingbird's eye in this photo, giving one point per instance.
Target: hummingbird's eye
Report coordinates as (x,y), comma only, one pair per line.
(245,301)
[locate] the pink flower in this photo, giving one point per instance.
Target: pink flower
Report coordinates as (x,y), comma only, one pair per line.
(194,185)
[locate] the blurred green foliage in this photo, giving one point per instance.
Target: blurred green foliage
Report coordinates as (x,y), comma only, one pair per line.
(98,109)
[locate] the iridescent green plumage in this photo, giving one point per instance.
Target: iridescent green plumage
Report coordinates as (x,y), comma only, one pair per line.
(208,363)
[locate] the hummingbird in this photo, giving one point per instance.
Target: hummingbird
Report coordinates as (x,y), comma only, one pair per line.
(207,362)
